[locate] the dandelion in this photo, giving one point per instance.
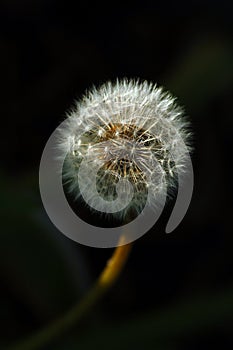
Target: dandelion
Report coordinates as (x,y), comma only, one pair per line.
(128,130)
(123,133)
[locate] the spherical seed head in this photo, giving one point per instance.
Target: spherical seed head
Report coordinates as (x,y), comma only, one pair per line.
(134,131)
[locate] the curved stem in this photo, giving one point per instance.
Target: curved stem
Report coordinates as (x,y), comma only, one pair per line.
(106,279)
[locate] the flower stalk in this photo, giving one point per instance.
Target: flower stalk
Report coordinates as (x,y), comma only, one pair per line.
(105,281)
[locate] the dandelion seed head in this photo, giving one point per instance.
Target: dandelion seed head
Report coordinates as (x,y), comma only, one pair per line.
(127,125)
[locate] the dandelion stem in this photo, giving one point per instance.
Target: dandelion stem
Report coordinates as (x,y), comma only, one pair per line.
(106,279)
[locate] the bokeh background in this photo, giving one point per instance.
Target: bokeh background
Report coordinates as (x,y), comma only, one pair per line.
(176,291)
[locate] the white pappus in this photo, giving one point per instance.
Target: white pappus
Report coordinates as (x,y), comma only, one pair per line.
(127,129)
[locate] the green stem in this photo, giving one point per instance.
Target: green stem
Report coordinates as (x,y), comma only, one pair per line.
(106,279)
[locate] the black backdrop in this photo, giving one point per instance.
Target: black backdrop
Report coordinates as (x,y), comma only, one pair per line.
(176,291)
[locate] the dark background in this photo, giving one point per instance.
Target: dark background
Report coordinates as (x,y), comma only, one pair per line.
(176,291)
